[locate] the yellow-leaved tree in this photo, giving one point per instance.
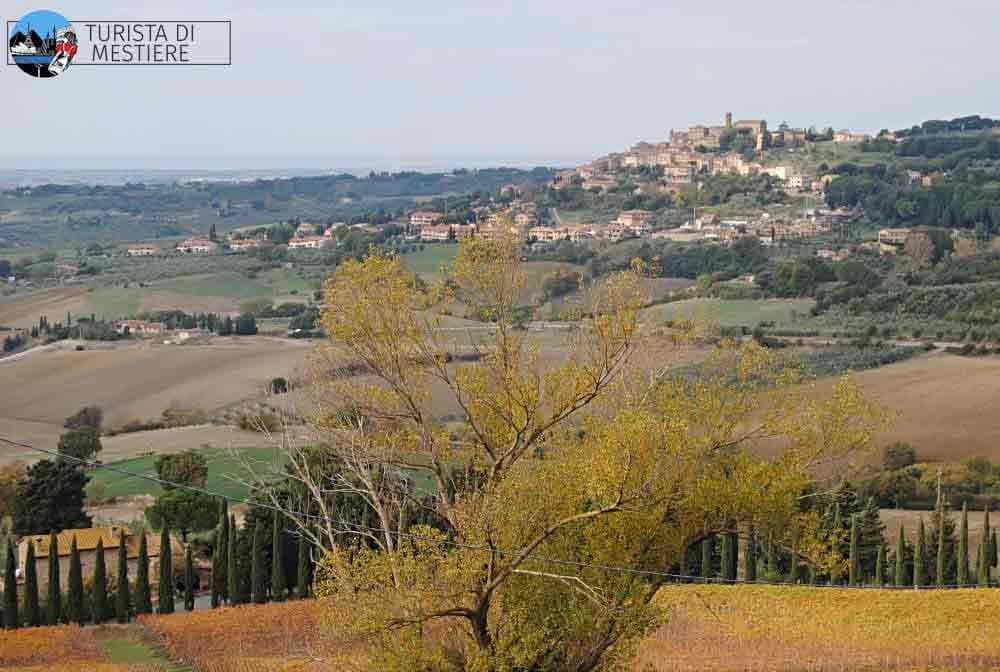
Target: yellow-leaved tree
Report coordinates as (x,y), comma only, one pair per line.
(482,503)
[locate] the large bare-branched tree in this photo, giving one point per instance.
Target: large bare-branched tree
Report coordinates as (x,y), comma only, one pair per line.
(476,496)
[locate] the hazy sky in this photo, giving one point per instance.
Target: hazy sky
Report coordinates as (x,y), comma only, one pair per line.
(386,83)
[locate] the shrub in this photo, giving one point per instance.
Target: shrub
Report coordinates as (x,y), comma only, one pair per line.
(898,456)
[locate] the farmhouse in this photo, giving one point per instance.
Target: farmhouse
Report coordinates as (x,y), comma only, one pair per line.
(142,250)
(435,233)
(892,240)
(86,542)
(197,246)
(244,244)
(307,243)
(139,328)
(422,218)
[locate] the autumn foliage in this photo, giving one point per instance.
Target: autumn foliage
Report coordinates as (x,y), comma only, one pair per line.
(278,637)
(750,628)
(68,647)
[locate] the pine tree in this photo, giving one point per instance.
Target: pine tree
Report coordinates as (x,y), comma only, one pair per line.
(854,571)
(919,577)
(750,557)
(143,599)
(899,580)
(277,561)
(74,600)
(962,562)
(302,590)
(232,575)
(879,566)
(165,591)
(188,580)
(53,610)
(32,614)
(122,601)
(11,618)
(100,586)
(258,581)
(707,553)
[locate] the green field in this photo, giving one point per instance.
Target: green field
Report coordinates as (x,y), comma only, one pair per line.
(733,313)
(113,302)
(222,466)
(230,285)
(431,258)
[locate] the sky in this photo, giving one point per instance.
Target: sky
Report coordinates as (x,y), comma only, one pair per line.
(41,21)
(384,84)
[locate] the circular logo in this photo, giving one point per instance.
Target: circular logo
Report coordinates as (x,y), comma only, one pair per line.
(43,43)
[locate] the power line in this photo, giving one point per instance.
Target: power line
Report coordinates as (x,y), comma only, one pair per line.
(681,578)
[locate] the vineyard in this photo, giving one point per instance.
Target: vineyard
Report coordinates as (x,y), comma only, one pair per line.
(723,628)
(67,648)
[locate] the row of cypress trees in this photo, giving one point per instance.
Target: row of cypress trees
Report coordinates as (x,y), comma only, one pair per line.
(235,580)
(933,560)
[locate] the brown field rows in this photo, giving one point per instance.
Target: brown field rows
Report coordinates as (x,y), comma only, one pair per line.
(946,404)
(24,310)
(138,380)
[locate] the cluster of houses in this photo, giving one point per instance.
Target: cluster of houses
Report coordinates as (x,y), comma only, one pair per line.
(695,151)
(765,228)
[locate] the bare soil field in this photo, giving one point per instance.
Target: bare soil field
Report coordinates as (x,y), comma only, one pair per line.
(138,380)
(23,310)
(945,405)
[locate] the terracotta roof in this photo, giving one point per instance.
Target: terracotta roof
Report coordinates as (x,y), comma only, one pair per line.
(87,538)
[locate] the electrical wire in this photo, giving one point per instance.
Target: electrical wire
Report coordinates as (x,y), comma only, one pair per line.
(677,578)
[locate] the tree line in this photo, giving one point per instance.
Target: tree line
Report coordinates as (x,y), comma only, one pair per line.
(248,566)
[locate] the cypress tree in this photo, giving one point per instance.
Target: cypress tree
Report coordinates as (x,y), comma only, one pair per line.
(899,580)
(835,574)
(74,599)
(982,575)
(772,561)
(993,549)
(258,582)
(919,578)
(684,569)
(940,575)
(962,569)
(226,534)
(143,600)
(811,575)
(726,556)
(734,559)
(165,590)
(277,561)
(302,590)
(53,610)
(854,572)
(707,551)
(32,614)
(879,565)
(232,576)
(188,580)
(220,558)
(11,619)
(100,587)
(122,594)
(750,557)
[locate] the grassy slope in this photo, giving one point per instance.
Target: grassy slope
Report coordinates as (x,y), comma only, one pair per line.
(222,465)
(430,259)
(733,313)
